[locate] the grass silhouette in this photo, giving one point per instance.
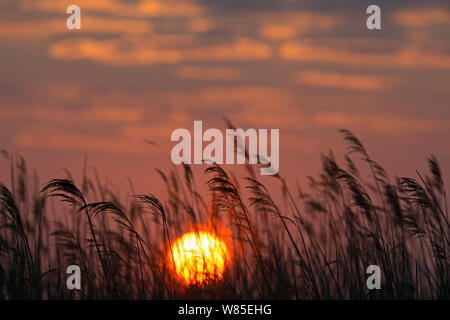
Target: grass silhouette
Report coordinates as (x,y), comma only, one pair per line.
(314,245)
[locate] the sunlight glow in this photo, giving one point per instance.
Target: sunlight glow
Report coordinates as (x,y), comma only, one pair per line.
(199,258)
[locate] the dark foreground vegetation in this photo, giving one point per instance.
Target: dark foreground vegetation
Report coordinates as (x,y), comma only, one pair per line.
(314,245)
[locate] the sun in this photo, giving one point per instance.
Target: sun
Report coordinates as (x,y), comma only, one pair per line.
(200,258)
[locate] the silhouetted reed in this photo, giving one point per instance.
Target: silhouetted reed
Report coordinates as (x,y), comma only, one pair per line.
(305,245)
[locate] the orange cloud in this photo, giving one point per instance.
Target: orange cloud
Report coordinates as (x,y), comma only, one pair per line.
(120,52)
(381,123)
(109,17)
(156,113)
(408,57)
(143,8)
(76,141)
(200,25)
(112,51)
(278,31)
(126,137)
(422,17)
(285,25)
(240,49)
(208,73)
(98,114)
(252,106)
(269,107)
(90,25)
(183,8)
(343,81)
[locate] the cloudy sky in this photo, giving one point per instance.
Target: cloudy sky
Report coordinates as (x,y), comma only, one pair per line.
(138,69)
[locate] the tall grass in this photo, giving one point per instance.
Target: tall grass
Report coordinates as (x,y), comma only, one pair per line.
(314,245)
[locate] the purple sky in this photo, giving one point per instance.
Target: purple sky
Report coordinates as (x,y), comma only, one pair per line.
(140,69)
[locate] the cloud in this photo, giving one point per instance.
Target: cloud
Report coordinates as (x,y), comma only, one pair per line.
(407,57)
(200,25)
(240,49)
(286,25)
(208,73)
(140,9)
(113,52)
(90,25)
(379,123)
(251,106)
(47,18)
(343,81)
(111,126)
(278,31)
(171,8)
(158,130)
(77,141)
(66,116)
(422,17)
(126,136)
(121,52)
(270,107)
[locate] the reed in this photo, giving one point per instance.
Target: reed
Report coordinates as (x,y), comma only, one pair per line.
(314,245)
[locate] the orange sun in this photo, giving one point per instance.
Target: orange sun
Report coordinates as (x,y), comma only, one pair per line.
(199,258)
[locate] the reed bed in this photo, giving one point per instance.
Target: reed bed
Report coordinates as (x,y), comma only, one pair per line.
(302,245)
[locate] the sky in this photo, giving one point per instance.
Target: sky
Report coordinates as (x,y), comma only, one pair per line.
(137,70)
